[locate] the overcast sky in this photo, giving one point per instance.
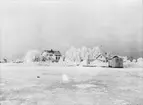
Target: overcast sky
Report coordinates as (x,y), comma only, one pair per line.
(58,24)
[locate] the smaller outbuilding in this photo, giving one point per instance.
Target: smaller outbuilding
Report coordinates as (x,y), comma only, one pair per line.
(115,62)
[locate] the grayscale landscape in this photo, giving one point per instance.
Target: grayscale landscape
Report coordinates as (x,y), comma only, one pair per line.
(71,52)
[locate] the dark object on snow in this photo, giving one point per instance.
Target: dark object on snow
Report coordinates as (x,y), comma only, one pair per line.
(115,62)
(38,76)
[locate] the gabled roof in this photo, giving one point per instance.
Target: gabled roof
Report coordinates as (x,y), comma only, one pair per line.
(57,53)
(53,52)
(49,51)
(115,57)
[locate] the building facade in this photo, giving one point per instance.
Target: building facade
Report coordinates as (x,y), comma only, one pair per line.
(115,62)
(51,55)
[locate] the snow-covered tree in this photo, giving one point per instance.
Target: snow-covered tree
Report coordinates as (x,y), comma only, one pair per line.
(77,55)
(95,52)
(134,60)
(98,53)
(72,54)
(125,58)
(140,60)
(32,56)
(84,53)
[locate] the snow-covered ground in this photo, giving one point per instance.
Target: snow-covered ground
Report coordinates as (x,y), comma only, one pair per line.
(22,84)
